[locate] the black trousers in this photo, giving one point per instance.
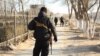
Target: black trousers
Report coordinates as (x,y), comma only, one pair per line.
(41,47)
(55,23)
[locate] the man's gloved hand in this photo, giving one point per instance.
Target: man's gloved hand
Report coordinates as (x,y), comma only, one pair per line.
(55,39)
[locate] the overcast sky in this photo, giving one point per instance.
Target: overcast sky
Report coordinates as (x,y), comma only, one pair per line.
(56,6)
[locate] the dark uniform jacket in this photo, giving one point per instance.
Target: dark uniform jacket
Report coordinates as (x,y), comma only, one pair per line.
(40,31)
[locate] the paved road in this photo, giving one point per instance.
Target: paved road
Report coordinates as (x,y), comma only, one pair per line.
(68,45)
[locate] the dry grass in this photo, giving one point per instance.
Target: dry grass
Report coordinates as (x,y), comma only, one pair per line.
(8,32)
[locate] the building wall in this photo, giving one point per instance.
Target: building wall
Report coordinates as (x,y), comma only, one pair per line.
(34,10)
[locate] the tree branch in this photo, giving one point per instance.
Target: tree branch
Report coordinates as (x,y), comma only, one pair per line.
(92,5)
(97,11)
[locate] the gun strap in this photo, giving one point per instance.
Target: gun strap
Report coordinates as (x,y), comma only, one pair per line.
(40,24)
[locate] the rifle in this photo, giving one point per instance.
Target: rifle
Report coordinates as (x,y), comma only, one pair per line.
(51,44)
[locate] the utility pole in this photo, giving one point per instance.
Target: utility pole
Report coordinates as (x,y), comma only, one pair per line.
(5,18)
(14,22)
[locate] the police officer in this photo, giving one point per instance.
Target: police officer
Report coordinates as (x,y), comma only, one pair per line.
(43,29)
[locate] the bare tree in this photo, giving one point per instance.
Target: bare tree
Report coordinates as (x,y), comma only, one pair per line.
(81,8)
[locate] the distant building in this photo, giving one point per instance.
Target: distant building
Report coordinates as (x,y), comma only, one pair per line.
(34,10)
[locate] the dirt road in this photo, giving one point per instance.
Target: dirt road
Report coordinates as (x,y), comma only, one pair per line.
(69,44)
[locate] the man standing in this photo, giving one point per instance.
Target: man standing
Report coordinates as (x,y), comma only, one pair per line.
(61,21)
(55,20)
(43,29)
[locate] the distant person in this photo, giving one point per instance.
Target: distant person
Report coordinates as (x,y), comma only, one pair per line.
(61,21)
(56,21)
(43,29)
